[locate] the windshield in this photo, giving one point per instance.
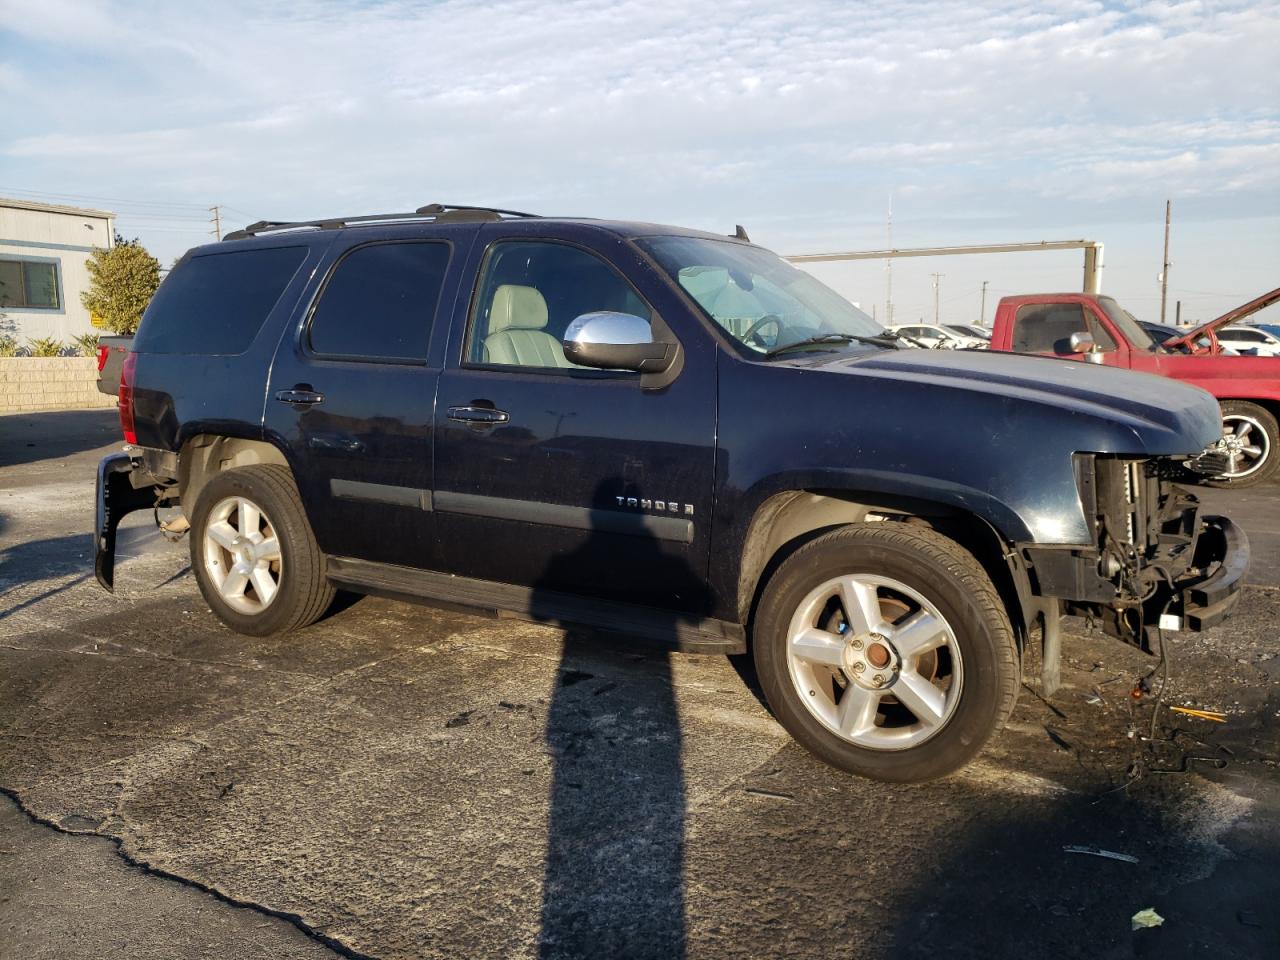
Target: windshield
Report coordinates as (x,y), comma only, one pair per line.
(755,296)
(1128,325)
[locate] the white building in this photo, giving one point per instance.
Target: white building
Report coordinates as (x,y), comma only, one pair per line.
(44,249)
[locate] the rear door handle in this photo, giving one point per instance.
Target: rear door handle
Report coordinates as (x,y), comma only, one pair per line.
(478,415)
(299,394)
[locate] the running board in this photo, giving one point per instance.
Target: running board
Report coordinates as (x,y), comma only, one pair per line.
(670,630)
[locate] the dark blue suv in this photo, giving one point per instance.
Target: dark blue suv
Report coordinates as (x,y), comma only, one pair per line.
(663,433)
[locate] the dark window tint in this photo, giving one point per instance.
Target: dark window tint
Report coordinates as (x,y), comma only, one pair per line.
(216,303)
(532,291)
(380,302)
(1047,328)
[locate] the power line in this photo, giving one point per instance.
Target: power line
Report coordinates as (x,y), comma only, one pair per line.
(95,199)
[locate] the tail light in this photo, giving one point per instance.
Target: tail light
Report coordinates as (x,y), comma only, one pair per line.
(126,397)
(103,352)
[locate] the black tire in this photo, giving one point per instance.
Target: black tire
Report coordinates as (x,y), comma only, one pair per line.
(304,593)
(949,578)
(1265,421)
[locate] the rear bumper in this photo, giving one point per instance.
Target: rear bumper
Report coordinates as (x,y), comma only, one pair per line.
(1224,548)
(123,487)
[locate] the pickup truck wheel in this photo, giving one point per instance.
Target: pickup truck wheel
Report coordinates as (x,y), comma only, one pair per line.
(1249,439)
(254,555)
(886,651)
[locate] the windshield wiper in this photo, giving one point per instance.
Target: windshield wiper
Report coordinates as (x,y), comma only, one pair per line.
(886,341)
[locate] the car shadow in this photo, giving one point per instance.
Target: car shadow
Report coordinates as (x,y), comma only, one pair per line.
(31,437)
(614,878)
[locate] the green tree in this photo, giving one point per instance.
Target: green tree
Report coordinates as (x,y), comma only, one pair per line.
(122,281)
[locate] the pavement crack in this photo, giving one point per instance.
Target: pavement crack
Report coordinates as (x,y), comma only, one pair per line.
(295,920)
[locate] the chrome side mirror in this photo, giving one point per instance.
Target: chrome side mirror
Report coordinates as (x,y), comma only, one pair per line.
(1082,343)
(615,341)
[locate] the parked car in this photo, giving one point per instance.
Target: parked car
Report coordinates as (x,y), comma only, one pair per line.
(664,433)
(1084,326)
(970,330)
(937,337)
(1249,341)
(111,354)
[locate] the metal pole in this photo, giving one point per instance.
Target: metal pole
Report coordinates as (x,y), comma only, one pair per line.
(982,311)
(1164,273)
(1177,314)
(217,221)
(937,289)
(888,268)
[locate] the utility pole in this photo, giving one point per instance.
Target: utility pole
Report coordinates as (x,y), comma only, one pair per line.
(937,289)
(216,221)
(1177,314)
(982,311)
(1164,272)
(888,268)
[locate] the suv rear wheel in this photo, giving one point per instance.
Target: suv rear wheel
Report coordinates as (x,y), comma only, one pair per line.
(885,651)
(254,555)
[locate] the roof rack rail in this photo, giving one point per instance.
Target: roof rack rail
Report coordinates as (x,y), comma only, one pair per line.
(436,212)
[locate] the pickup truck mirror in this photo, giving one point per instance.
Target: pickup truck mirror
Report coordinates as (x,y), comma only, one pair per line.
(615,341)
(1084,343)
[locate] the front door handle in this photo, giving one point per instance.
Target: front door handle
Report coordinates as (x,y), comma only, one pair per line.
(299,394)
(478,415)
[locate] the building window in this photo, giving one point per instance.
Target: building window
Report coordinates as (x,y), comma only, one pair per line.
(29,283)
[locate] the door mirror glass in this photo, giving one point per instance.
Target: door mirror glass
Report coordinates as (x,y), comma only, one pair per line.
(615,341)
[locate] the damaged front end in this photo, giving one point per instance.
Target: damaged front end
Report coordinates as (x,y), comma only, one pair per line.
(1156,561)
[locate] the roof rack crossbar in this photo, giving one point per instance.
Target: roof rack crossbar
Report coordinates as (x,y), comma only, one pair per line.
(432,211)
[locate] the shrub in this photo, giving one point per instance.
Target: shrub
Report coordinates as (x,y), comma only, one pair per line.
(45,347)
(121,282)
(8,346)
(85,344)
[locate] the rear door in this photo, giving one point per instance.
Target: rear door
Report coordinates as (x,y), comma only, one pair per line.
(352,394)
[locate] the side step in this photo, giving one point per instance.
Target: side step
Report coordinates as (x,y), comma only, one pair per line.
(670,630)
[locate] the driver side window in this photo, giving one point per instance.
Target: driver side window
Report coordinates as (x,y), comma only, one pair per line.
(1047,328)
(530,291)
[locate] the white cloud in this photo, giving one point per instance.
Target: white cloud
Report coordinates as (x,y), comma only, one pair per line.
(803,116)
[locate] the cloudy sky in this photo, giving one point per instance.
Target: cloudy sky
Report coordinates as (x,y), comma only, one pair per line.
(984,122)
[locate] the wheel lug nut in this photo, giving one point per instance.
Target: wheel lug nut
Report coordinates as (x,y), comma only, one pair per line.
(878,678)
(856,644)
(859,667)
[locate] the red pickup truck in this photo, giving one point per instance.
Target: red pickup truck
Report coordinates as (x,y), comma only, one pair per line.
(1093,328)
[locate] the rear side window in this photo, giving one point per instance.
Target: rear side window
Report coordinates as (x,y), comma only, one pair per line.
(380,301)
(216,303)
(1047,328)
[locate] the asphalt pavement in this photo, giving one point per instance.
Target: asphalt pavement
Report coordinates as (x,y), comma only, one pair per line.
(399,781)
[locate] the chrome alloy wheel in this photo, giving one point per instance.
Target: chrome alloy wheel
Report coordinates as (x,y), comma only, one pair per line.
(874,662)
(242,555)
(1246,444)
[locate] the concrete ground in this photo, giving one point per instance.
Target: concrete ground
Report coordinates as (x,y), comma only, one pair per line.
(399,781)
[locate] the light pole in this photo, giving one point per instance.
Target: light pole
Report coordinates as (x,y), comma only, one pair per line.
(982,311)
(937,286)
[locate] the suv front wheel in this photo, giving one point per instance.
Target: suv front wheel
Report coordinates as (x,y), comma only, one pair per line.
(885,650)
(254,555)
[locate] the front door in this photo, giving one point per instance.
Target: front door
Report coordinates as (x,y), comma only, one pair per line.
(352,396)
(560,477)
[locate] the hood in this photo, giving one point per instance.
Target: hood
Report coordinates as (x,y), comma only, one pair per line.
(1230,317)
(1164,416)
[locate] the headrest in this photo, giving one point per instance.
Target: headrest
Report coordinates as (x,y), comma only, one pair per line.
(517,308)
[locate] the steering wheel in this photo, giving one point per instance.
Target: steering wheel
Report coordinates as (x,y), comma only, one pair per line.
(768,318)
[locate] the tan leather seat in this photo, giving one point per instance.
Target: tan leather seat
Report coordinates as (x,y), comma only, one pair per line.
(516,335)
